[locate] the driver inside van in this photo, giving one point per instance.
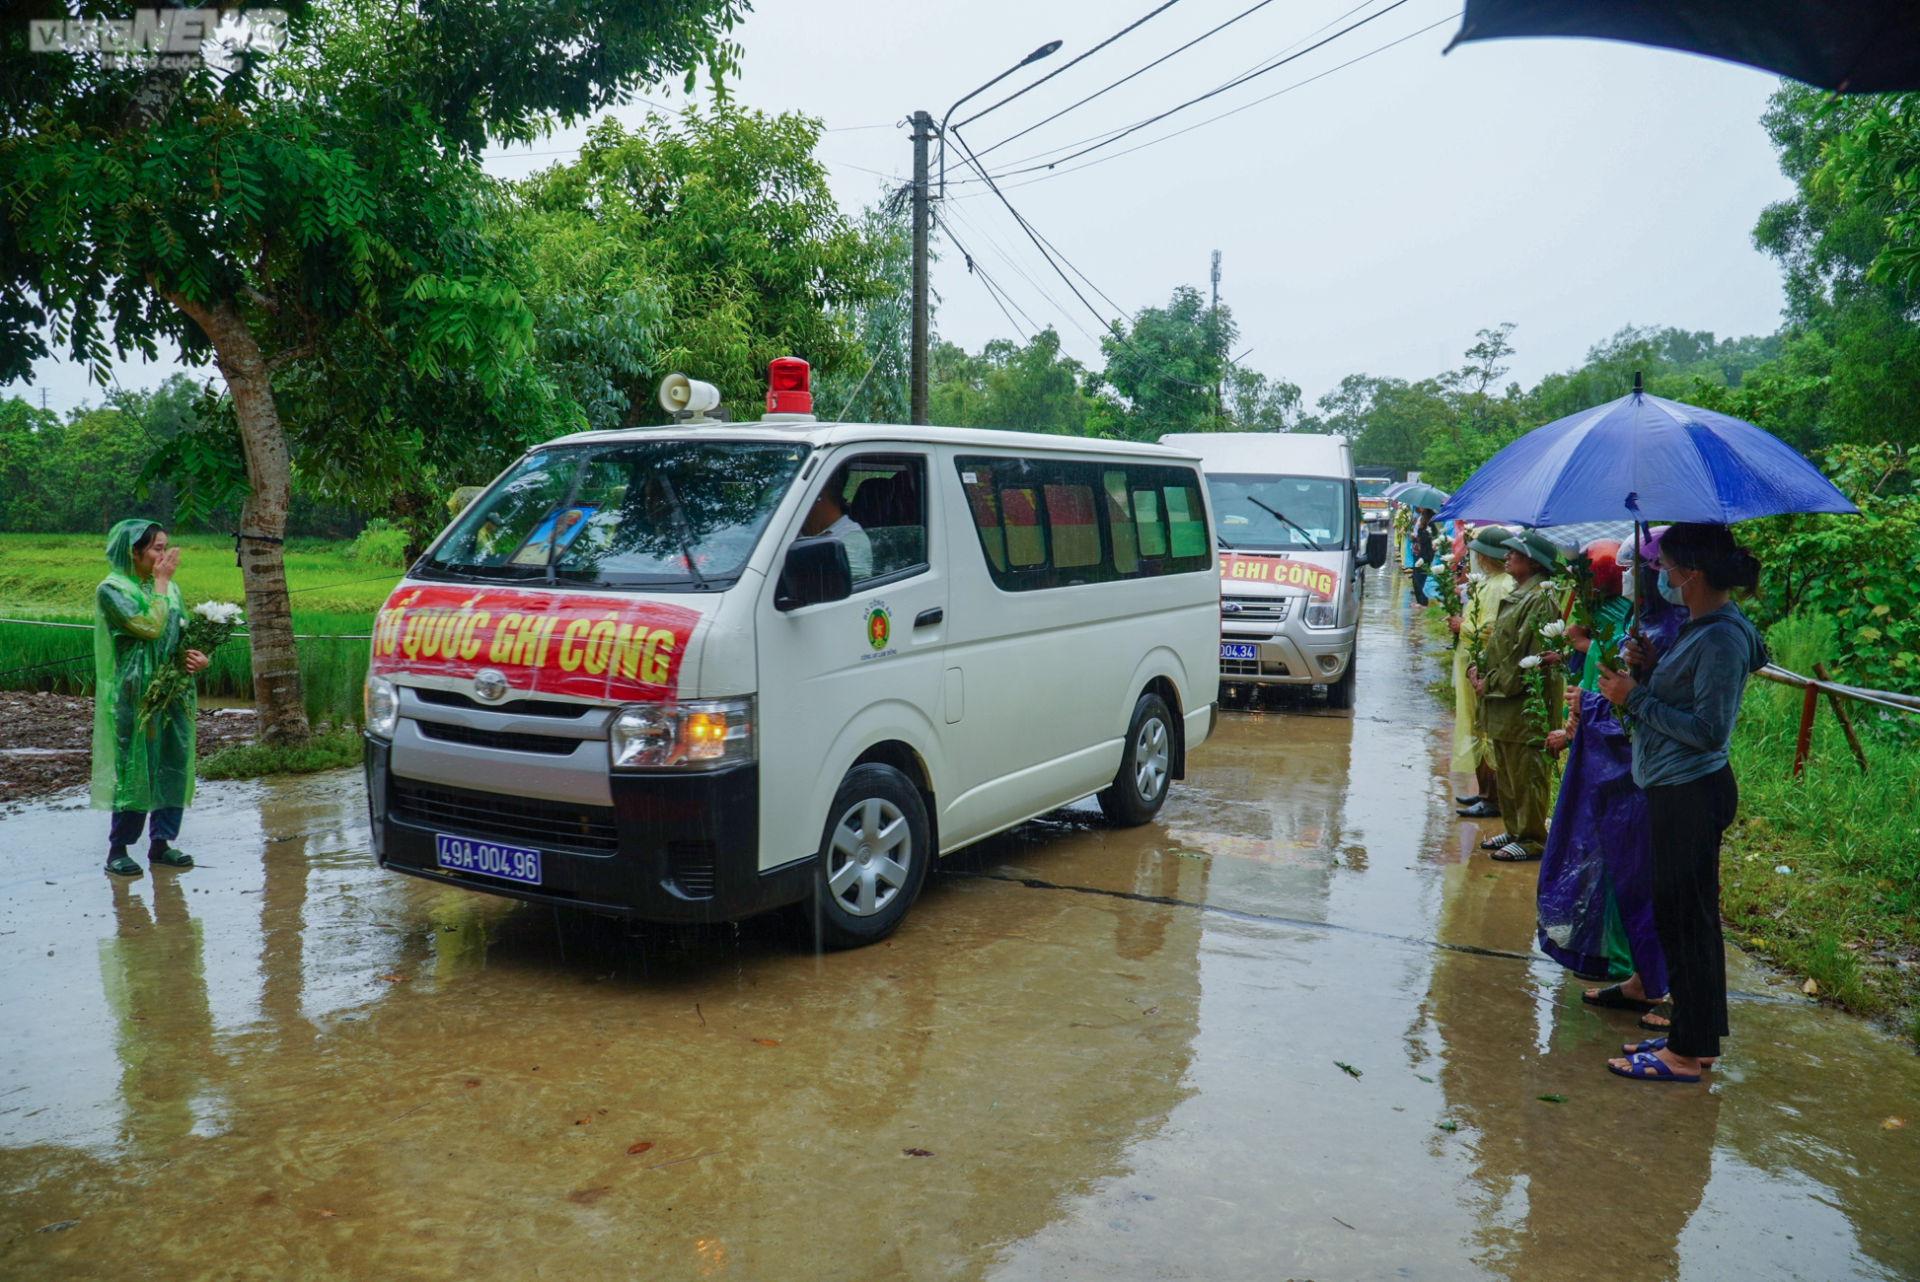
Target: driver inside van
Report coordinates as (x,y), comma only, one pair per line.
(828,519)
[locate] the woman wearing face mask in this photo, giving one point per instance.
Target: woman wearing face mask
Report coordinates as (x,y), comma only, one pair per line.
(1683,718)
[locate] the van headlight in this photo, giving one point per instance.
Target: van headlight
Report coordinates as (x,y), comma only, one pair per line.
(1322,614)
(381,703)
(705,734)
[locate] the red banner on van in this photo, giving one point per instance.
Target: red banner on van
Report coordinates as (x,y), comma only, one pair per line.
(1318,581)
(596,647)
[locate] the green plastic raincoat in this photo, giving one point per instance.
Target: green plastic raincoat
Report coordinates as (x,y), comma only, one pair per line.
(135,630)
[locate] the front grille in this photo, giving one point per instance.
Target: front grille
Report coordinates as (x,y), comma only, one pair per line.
(505,740)
(517,707)
(1256,609)
(690,864)
(524,821)
(1251,668)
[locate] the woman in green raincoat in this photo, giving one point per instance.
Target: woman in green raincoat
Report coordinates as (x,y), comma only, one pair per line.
(140,770)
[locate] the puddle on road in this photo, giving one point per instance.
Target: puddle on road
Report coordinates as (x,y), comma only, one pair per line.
(292,1064)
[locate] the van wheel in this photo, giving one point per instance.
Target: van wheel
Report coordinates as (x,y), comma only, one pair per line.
(1340,693)
(873,858)
(1146,766)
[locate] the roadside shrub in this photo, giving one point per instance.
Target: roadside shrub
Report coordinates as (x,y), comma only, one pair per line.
(329,750)
(382,544)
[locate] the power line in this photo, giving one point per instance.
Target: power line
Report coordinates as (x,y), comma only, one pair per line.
(1123,80)
(1107,133)
(1075,62)
(1231,84)
(1223,115)
(974,268)
(1113,327)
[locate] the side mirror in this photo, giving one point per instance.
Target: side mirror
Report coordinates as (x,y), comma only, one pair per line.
(1376,550)
(816,572)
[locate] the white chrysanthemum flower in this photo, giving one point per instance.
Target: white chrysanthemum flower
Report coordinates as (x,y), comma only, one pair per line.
(1530,662)
(1553,628)
(221,612)
(1475,576)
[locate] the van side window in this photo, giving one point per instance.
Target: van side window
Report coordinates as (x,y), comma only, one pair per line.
(1057,523)
(875,505)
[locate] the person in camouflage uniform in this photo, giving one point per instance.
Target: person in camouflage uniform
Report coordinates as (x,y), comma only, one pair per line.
(1515,647)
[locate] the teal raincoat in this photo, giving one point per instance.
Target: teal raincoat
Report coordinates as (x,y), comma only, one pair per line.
(135,631)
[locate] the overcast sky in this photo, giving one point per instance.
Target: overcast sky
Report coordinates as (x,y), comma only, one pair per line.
(1369,221)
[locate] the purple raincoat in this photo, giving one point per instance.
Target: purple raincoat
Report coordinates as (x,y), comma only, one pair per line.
(1595,897)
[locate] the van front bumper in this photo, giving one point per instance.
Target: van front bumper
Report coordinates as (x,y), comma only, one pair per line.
(671,848)
(1293,657)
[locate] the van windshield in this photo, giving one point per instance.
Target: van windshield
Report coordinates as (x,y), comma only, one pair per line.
(665,514)
(1304,513)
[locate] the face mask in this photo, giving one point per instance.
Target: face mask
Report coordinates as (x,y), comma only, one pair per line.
(1670,590)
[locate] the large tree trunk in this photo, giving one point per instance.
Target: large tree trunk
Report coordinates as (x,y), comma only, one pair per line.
(277,695)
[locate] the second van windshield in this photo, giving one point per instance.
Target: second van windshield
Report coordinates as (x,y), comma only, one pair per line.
(1294,513)
(663,514)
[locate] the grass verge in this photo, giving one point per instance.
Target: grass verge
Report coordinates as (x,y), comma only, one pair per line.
(329,750)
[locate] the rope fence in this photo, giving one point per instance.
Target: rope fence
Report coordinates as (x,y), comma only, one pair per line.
(1836,692)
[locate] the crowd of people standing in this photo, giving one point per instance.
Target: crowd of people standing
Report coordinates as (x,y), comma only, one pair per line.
(1643,647)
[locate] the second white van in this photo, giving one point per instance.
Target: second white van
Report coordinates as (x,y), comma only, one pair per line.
(695,672)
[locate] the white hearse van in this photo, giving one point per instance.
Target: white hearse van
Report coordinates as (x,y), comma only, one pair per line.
(1292,546)
(694,672)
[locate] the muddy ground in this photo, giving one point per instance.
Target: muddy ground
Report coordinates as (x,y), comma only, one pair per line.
(46,741)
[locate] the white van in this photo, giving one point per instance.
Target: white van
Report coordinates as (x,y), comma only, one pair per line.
(1292,547)
(691,673)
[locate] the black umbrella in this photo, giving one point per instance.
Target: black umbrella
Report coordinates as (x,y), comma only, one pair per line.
(1849,46)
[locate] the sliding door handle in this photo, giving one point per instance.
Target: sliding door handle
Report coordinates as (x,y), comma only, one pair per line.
(927,618)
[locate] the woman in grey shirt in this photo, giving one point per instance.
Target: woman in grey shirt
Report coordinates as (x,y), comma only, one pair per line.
(1682,719)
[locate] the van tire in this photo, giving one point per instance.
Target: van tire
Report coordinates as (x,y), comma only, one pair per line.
(1140,785)
(1340,693)
(872,799)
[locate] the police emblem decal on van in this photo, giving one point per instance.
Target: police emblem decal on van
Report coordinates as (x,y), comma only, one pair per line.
(599,647)
(879,629)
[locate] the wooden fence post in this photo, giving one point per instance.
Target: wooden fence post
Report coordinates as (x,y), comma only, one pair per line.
(1846,722)
(1808,706)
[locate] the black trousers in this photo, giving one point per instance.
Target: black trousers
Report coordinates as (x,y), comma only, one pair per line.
(1687,820)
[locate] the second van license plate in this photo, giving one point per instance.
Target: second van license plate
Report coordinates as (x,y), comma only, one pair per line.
(464,854)
(1232,650)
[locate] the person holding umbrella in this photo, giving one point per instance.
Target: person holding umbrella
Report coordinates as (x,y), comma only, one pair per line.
(1683,717)
(1515,646)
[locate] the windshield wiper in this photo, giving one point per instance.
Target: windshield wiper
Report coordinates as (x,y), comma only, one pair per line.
(682,529)
(1222,542)
(1289,520)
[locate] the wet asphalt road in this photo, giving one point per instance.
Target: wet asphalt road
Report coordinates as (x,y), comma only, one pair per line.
(1087,1054)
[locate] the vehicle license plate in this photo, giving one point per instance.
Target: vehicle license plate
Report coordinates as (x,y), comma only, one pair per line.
(1237,650)
(464,854)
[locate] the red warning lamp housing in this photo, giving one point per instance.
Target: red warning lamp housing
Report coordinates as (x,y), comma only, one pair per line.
(788,386)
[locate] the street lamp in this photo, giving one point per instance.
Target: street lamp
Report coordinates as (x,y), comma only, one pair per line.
(925,131)
(1043,51)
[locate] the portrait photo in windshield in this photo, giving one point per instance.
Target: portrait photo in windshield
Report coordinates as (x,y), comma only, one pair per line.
(656,514)
(1291,513)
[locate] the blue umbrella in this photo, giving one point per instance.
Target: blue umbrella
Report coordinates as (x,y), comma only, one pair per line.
(1644,458)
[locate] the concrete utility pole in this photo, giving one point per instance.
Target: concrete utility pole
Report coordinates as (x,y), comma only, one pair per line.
(1219,406)
(922,317)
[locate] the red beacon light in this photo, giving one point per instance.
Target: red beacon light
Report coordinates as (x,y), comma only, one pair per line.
(788,386)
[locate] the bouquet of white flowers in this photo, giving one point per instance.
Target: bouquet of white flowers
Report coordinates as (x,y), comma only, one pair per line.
(209,625)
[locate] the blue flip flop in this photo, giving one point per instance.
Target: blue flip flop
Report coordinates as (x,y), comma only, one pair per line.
(1658,1044)
(1645,1067)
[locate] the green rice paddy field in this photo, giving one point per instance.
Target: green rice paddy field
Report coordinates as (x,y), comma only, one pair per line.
(50,578)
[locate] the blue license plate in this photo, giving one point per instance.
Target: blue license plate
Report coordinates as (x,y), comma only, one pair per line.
(511,863)
(1234,650)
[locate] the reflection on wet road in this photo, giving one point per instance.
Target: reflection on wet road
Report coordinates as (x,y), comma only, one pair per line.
(1087,1053)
